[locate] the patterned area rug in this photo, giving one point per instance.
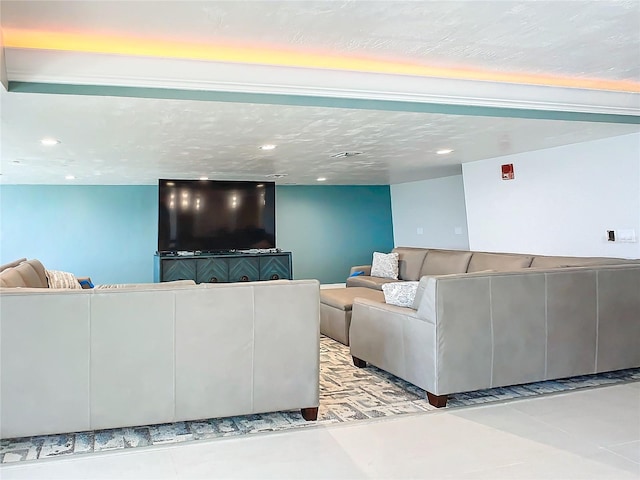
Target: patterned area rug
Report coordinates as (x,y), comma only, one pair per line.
(347,394)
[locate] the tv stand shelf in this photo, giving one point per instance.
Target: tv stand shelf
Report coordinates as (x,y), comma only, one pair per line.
(223,267)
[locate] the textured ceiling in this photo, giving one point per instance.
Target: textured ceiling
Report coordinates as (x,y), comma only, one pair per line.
(588,39)
(133,140)
(116,140)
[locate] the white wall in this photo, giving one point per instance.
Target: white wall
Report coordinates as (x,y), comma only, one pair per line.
(435,206)
(561,201)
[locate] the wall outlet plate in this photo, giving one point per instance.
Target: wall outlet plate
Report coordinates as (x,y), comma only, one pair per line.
(626,235)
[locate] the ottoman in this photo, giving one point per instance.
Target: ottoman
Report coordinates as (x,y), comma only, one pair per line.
(335,309)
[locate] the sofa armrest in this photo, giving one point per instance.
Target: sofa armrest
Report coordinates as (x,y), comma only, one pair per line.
(394,339)
(388,308)
(360,268)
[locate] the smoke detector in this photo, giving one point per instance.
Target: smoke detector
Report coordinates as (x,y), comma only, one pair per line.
(276,175)
(345,154)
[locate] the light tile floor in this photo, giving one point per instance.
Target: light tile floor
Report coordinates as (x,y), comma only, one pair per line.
(585,434)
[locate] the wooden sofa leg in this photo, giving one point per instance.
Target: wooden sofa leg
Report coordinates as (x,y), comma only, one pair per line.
(359,363)
(437,401)
(309,414)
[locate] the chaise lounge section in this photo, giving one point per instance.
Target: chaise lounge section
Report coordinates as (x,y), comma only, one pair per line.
(336,308)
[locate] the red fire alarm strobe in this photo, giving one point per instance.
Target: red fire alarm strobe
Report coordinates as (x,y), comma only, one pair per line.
(507,171)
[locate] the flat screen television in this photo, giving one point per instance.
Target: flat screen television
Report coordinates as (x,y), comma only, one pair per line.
(216,216)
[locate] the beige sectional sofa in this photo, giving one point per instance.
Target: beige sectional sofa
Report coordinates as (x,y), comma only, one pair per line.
(74,359)
(482,320)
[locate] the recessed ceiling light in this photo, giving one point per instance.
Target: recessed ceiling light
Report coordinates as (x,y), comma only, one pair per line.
(70,177)
(49,141)
(444,151)
(267,147)
(321,179)
(204,178)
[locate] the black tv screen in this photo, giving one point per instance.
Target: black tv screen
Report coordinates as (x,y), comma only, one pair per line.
(213,216)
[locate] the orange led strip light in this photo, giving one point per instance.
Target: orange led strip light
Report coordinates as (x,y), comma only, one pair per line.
(145,47)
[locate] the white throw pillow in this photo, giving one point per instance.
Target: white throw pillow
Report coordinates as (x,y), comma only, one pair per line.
(385,265)
(401,294)
(58,279)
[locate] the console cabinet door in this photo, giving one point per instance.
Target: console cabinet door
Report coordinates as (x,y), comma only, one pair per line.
(275,267)
(244,269)
(224,268)
(212,270)
(178,269)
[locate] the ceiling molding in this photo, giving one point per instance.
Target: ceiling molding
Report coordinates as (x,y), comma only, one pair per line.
(318,101)
(103,70)
(3,64)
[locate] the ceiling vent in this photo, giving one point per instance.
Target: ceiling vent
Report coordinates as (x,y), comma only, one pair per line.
(276,175)
(345,154)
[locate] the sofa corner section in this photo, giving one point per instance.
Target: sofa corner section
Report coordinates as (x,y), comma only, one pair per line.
(286,351)
(44,364)
(464,337)
(618,337)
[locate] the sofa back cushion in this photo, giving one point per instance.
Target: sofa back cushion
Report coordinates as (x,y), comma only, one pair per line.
(15,263)
(499,262)
(445,262)
(368,281)
(410,262)
(28,274)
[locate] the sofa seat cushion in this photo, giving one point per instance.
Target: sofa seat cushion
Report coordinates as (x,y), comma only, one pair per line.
(28,274)
(445,262)
(498,262)
(558,262)
(410,262)
(342,298)
(369,281)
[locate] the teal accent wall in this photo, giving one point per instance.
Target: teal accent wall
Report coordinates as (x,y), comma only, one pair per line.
(109,232)
(106,232)
(331,228)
